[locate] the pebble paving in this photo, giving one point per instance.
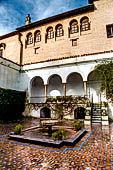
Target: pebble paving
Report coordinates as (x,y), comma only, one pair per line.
(93,151)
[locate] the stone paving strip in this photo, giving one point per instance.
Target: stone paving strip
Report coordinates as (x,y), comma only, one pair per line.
(93,151)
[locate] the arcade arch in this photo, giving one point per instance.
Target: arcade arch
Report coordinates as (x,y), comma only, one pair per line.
(74,85)
(55,86)
(93,87)
(37,89)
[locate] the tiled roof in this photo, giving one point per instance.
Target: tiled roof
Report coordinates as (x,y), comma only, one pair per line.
(8,35)
(10,61)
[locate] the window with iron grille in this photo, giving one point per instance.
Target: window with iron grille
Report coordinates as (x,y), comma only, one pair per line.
(50,33)
(85,25)
(74,27)
(37,37)
(29,38)
(1,53)
(59,31)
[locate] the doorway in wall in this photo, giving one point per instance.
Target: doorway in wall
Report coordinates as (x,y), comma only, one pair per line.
(79,113)
(45,112)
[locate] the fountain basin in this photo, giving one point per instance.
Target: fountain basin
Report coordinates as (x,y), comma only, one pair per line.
(48,141)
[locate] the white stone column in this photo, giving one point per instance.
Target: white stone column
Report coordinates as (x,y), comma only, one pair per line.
(64,89)
(45,91)
(85,88)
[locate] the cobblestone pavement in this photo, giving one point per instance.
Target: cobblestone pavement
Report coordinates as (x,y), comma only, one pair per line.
(93,151)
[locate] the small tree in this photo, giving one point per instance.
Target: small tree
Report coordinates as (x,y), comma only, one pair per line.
(104,72)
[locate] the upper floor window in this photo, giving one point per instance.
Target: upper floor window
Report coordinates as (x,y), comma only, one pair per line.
(1,53)
(59,30)
(37,36)
(37,50)
(84,23)
(29,38)
(74,42)
(50,33)
(73,27)
(109,30)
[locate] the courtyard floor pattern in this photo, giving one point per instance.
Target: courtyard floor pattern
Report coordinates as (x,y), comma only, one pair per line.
(93,151)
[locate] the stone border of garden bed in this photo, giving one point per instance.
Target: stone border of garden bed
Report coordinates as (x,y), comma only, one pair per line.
(47,142)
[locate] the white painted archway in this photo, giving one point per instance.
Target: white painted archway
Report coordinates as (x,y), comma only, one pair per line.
(37,90)
(55,86)
(93,87)
(74,85)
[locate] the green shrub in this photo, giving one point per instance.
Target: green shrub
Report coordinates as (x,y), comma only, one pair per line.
(18,129)
(110,119)
(59,135)
(41,125)
(77,126)
(12,104)
(105,104)
(29,117)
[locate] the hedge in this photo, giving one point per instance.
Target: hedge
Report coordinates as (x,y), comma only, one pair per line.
(12,104)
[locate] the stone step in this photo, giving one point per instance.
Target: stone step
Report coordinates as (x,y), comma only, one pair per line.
(96,115)
(96,107)
(99,110)
(96,121)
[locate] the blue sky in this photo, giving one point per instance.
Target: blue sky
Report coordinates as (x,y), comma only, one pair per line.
(13,12)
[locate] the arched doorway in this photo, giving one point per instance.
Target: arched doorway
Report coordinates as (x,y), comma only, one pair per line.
(79,113)
(45,112)
(75,85)
(55,86)
(37,90)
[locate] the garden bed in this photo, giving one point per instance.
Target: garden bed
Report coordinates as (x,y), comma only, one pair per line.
(70,141)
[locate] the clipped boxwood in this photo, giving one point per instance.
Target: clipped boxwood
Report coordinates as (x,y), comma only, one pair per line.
(12,104)
(18,129)
(77,126)
(59,135)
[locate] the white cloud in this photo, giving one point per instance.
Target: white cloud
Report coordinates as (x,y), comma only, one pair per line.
(13,13)
(8,19)
(4,29)
(43,9)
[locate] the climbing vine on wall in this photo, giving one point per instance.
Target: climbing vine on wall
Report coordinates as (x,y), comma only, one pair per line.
(12,104)
(64,105)
(104,72)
